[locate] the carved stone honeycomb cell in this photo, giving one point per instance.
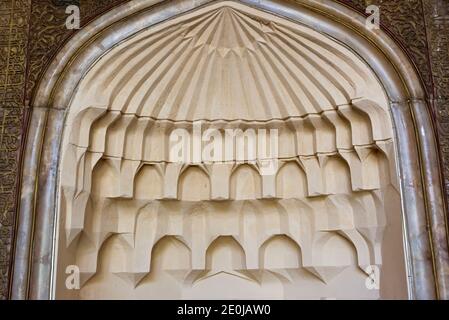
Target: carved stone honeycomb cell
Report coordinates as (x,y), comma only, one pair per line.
(139,225)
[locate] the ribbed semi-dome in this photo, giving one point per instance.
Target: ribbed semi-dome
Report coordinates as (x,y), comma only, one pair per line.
(227,61)
(317,219)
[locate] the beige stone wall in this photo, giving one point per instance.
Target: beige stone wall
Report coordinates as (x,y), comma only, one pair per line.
(32,31)
(139,225)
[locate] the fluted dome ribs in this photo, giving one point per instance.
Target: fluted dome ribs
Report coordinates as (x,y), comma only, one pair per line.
(322,211)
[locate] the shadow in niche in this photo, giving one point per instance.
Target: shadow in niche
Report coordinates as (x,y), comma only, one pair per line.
(291,181)
(148,183)
(194,185)
(227,276)
(170,263)
(245,183)
(280,252)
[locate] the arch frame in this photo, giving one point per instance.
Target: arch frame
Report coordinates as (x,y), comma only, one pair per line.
(424,211)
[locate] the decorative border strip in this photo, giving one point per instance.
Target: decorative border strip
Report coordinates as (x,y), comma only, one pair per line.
(405,19)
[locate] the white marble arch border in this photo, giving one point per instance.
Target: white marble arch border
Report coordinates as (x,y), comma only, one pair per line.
(425,227)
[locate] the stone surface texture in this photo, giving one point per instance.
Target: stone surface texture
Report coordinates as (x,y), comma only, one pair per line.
(32,31)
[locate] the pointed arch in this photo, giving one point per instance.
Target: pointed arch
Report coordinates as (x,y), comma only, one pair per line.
(415,138)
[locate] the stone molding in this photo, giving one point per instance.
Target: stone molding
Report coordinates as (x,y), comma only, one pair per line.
(425,154)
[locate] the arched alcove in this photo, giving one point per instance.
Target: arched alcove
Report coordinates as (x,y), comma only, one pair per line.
(107,105)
